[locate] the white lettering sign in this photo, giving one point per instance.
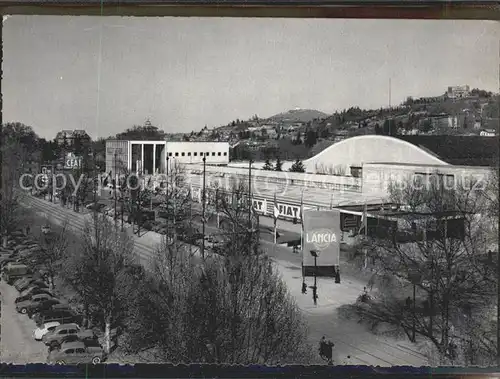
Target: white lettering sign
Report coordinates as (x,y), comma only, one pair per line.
(321,239)
(286,210)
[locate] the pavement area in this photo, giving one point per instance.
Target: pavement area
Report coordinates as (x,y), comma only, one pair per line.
(353,343)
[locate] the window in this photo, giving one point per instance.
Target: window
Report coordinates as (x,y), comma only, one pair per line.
(207,153)
(213,154)
(176,154)
(189,154)
(72,331)
(64,331)
(169,154)
(80,351)
(219,154)
(183,154)
(195,153)
(225,153)
(69,351)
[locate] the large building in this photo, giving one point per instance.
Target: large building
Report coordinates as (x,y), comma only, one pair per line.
(358,170)
(152,157)
(68,137)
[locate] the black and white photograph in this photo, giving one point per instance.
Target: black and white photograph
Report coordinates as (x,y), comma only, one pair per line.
(268,191)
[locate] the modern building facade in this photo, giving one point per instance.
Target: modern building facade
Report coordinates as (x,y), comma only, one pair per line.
(152,157)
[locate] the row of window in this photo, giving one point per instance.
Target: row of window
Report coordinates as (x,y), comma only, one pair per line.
(195,154)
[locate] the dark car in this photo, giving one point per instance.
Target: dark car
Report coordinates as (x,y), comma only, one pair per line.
(42,306)
(23,306)
(30,292)
(76,352)
(64,316)
(35,281)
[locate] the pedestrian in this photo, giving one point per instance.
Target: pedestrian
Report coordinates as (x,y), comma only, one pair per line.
(28,230)
(304,287)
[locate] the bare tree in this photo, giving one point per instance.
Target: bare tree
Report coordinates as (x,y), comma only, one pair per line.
(98,272)
(239,224)
(443,254)
(54,246)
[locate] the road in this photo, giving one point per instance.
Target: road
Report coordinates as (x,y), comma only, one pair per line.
(353,343)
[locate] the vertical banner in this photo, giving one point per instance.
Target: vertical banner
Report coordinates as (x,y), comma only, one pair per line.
(322,234)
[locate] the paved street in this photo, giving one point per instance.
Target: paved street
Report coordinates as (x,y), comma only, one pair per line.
(350,338)
(18,345)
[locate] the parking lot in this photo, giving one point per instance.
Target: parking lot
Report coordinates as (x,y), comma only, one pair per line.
(18,344)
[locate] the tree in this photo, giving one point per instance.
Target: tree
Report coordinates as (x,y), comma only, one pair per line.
(279,165)
(297,166)
(268,166)
(98,272)
(54,246)
(446,257)
(298,139)
(239,225)
(14,153)
(232,310)
(311,138)
(144,132)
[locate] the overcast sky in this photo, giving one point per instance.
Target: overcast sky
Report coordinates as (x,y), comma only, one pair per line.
(107,74)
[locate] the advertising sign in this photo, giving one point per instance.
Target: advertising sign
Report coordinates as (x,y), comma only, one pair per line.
(321,236)
(72,161)
(287,211)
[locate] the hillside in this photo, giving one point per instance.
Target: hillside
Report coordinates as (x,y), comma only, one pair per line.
(298,115)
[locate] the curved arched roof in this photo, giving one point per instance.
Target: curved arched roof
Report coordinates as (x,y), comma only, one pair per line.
(355,151)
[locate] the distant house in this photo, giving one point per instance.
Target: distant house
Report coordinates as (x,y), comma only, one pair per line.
(488,133)
(458,92)
(69,137)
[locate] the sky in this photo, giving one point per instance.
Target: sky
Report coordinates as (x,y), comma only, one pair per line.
(106,74)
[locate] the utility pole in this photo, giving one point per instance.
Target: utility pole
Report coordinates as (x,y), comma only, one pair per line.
(115,181)
(250,194)
(203,209)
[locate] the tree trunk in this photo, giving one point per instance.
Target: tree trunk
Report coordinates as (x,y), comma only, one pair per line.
(107,334)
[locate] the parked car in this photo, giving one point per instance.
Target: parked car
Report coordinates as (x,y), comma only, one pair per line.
(39,332)
(46,305)
(13,272)
(76,352)
(34,281)
(23,306)
(64,316)
(28,293)
(61,333)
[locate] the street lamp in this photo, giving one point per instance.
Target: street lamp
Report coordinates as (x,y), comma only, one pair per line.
(315,254)
(115,182)
(203,209)
(415,278)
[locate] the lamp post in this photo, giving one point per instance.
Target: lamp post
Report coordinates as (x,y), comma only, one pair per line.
(414,277)
(203,209)
(115,182)
(250,193)
(315,254)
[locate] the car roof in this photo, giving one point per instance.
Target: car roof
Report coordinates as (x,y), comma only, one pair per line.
(66,326)
(73,345)
(51,324)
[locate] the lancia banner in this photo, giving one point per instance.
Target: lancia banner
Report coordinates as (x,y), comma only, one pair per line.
(321,236)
